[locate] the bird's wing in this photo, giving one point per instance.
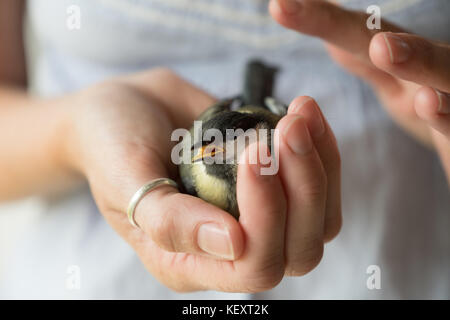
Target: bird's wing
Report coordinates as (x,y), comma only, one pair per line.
(276,106)
(224,105)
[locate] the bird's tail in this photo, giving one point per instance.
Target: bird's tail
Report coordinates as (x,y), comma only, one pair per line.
(258,82)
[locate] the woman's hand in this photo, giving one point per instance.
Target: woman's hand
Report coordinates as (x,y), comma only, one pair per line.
(119,138)
(411,75)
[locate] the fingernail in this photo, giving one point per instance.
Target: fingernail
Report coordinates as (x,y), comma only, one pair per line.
(214,239)
(399,50)
(444,106)
(289,6)
(309,110)
(297,136)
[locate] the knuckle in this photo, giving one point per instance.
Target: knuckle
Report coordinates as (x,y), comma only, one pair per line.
(306,260)
(315,191)
(161,228)
(427,53)
(266,276)
(263,281)
(333,162)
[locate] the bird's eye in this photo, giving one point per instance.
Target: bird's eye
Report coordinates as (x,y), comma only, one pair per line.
(197,145)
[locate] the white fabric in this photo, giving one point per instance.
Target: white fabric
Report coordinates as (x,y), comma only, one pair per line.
(396,204)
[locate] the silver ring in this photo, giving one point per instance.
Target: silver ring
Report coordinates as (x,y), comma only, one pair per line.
(149,186)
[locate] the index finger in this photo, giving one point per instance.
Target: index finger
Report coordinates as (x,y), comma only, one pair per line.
(341,27)
(413,58)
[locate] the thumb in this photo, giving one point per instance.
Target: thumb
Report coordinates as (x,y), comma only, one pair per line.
(412,58)
(182,223)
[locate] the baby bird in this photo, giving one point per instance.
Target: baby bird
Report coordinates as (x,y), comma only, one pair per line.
(213,181)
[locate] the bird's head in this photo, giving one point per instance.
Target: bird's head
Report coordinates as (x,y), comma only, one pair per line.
(212,173)
(226,135)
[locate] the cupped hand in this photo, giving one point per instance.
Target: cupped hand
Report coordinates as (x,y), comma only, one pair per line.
(410,74)
(119,138)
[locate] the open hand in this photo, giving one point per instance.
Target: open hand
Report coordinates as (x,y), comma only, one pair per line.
(410,74)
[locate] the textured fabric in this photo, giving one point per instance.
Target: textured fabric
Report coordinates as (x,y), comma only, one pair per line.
(396,204)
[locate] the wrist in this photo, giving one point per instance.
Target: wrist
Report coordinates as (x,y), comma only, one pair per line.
(33,135)
(65,144)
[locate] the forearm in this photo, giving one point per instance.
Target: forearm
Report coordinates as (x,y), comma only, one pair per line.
(32,136)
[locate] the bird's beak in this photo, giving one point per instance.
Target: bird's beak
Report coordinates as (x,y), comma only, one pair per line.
(206,151)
